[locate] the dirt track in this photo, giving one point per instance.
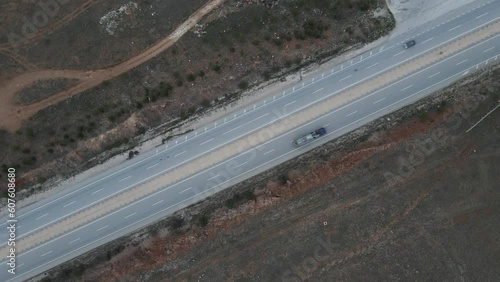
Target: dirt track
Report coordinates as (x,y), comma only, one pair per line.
(13,115)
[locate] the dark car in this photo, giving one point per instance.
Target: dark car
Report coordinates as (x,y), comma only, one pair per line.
(409,44)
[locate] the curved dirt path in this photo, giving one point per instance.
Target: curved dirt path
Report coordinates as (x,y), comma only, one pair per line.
(13,115)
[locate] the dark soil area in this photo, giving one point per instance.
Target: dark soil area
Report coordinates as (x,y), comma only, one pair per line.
(411,199)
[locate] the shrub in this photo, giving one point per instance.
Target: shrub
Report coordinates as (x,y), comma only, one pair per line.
(424,116)
(217,68)
(205,103)
(201,73)
(177,222)
(78,271)
(283,179)
(232,49)
(203,220)
(249,195)
(243,85)
(315,29)
(277,41)
(255,42)
(191,77)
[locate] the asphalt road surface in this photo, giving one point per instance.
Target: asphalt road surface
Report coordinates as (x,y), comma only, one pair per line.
(232,127)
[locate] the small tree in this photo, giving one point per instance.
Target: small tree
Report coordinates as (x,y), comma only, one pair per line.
(203,220)
(191,77)
(243,85)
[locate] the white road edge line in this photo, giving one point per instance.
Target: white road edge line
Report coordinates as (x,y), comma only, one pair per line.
(380,100)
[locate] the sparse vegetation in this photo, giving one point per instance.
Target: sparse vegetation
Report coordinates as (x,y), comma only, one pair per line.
(243,85)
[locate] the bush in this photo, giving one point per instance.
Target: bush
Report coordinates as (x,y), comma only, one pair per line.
(243,85)
(139,105)
(277,41)
(315,29)
(205,103)
(232,49)
(255,42)
(230,203)
(177,222)
(217,68)
(201,73)
(249,195)
(424,116)
(203,220)
(283,179)
(191,77)
(442,107)
(266,75)
(299,34)
(78,271)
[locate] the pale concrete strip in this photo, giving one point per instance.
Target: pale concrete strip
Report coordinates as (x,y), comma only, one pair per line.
(253,139)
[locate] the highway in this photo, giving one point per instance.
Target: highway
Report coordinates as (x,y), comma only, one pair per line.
(237,124)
